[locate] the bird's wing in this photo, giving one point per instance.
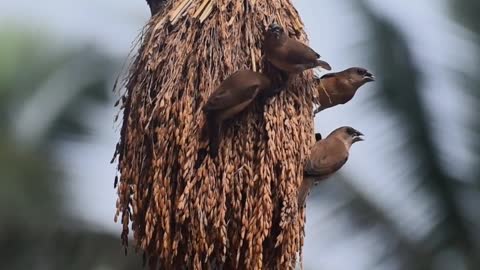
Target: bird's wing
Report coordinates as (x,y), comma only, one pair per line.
(300,53)
(304,190)
(227,97)
(326,158)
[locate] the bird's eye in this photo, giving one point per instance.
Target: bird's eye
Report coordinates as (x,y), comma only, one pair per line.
(275,29)
(361,71)
(351,131)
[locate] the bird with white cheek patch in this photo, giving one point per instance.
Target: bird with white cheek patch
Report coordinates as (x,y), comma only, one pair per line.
(327,157)
(288,54)
(340,87)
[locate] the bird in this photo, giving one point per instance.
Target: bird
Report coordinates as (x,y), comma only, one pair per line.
(231,97)
(340,87)
(327,156)
(289,55)
(155,6)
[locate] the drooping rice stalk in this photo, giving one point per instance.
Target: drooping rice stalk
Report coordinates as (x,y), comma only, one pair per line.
(239,210)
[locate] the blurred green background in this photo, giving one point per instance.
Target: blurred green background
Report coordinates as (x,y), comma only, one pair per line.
(407,199)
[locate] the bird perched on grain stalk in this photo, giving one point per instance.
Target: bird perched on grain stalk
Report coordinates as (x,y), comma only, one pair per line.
(288,54)
(340,87)
(327,157)
(230,98)
(155,5)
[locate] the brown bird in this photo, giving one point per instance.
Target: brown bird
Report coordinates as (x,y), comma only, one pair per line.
(155,6)
(288,54)
(340,87)
(230,98)
(327,156)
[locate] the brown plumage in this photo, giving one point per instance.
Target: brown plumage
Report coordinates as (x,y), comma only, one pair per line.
(326,157)
(155,5)
(230,98)
(340,87)
(288,54)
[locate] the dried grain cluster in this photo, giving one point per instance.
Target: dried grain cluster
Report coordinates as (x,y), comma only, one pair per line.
(237,211)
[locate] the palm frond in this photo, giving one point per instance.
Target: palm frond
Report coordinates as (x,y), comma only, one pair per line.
(399,90)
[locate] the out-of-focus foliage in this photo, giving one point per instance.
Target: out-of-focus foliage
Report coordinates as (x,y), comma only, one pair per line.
(466,12)
(454,241)
(399,90)
(44,91)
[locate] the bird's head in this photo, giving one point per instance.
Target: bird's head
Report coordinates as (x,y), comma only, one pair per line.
(359,76)
(275,30)
(348,135)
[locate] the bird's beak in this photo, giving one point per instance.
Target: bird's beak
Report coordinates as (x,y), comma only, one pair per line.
(368,77)
(274,28)
(357,137)
(324,65)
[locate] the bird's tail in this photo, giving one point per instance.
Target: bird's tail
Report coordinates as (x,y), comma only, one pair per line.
(204,132)
(201,154)
(304,190)
(213,126)
(214,137)
(204,135)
